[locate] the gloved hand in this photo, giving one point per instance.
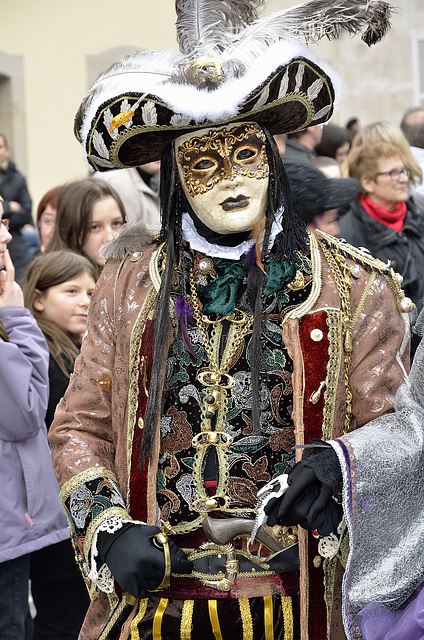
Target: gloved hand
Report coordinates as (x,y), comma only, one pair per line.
(135,562)
(308,500)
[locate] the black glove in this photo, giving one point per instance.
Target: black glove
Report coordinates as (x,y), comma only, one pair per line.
(135,562)
(308,500)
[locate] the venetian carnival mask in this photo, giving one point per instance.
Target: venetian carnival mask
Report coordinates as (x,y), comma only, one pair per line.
(224,172)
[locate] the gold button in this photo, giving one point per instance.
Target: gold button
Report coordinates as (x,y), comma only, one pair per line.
(206,266)
(355,270)
(405,305)
(211,503)
(317,561)
(213,437)
(317,335)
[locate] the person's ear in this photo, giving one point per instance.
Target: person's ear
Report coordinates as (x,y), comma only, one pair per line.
(38,300)
(368,185)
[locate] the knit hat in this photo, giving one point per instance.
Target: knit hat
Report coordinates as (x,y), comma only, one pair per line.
(314,193)
(232,66)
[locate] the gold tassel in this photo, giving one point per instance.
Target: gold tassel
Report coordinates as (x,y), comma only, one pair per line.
(257,231)
(259,258)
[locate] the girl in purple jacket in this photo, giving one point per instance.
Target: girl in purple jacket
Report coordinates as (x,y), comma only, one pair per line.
(31,515)
(57,290)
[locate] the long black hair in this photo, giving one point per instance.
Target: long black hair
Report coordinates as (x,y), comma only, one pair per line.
(292,239)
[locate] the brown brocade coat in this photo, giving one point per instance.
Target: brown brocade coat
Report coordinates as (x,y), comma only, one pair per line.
(94,424)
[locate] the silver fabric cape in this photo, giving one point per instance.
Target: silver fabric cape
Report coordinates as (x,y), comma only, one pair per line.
(383,486)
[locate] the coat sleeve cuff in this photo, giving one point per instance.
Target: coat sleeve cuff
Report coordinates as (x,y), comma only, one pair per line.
(90,499)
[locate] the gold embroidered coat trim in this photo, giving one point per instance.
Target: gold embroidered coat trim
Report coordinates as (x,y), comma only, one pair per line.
(133,390)
(316,265)
(334,322)
(85,476)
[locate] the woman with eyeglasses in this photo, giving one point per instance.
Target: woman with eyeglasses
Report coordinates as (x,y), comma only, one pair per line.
(385,131)
(383,219)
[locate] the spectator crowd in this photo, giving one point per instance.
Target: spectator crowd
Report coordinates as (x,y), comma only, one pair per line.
(363,184)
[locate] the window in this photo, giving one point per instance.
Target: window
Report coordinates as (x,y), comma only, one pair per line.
(418,64)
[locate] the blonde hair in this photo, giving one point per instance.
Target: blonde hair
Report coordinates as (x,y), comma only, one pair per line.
(385,131)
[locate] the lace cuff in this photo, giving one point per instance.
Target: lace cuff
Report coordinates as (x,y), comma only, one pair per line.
(99,572)
(328,546)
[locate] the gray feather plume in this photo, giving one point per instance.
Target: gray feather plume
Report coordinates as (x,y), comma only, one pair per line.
(132,237)
(205,26)
(314,20)
(225,30)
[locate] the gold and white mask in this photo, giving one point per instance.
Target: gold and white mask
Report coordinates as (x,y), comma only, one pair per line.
(224,173)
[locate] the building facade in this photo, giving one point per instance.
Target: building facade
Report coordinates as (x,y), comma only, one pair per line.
(52,50)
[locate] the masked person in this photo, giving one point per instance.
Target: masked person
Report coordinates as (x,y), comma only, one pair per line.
(216,348)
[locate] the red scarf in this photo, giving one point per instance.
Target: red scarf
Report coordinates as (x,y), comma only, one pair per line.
(394,220)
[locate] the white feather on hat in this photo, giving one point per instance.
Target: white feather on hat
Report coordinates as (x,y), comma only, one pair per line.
(231,66)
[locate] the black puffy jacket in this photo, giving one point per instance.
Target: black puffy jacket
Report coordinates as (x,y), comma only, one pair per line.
(13,186)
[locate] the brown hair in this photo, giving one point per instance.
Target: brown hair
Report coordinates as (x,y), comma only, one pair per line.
(333,137)
(385,131)
(362,162)
(74,211)
(49,198)
(3,332)
(45,271)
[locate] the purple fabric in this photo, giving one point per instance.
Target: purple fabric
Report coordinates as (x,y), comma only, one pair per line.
(31,515)
(185,315)
(377,622)
(250,263)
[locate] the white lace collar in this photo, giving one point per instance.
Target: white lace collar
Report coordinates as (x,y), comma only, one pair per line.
(198,243)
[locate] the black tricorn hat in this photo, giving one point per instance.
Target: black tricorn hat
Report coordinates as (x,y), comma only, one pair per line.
(232,66)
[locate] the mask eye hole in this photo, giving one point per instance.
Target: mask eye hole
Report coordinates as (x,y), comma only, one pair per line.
(204,164)
(246,154)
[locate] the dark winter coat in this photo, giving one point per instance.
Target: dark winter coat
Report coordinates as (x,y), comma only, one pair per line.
(58,384)
(405,250)
(13,186)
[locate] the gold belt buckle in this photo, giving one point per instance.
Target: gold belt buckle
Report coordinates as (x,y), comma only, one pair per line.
(218,438)
(232,566)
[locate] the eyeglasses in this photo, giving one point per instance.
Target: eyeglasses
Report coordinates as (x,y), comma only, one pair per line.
(5,223)
(395,174)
